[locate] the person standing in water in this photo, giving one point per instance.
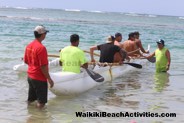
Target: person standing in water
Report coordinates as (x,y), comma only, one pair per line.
(38,72)
(163,58)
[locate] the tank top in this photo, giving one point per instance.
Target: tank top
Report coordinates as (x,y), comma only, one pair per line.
(161,60)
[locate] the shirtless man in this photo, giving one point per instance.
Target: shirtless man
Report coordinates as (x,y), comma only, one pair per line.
(138,42)
(130,45)
(118,38)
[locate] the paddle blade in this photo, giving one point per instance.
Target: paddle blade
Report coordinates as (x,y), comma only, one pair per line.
(152,59)
(134,65)
(95,76)
(148,47)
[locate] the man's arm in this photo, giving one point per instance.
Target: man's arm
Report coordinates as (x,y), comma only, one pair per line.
(139,44)
(60,63)
(169,59)
(25,57)
(85,65)
(92,53)
(46,74)
(60,57)
(150,56)
(117,43)
(25,60)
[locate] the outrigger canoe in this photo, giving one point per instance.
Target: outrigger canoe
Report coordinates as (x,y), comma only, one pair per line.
(23,67)
(68,83)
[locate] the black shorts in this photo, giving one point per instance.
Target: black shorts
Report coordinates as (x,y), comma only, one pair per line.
(37,91)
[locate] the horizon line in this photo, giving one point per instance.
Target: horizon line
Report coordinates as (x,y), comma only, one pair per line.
(95,11)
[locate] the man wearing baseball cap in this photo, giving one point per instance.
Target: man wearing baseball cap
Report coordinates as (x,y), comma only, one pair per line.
(38,73)
(163,58)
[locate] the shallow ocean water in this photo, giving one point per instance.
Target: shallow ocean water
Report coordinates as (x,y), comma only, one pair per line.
(136,91)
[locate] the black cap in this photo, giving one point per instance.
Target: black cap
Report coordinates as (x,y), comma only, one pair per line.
(137,33)
(131,35)
(160,41)
(118,34)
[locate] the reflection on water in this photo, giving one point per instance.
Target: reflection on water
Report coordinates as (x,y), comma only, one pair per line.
(122,92)
(161,81)
(38,116)
(111,98)
(58,109)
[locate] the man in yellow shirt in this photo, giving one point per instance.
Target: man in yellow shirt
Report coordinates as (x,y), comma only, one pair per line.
(163,58)
(71,57)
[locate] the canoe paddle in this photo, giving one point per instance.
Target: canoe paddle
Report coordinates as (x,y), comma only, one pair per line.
(117,64)
(95,76)
(131,64)
(152,59)
(134,65)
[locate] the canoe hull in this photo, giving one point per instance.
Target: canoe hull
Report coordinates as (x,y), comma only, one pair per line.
(67,83)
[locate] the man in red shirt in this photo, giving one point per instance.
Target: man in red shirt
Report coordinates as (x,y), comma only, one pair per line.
(38,76)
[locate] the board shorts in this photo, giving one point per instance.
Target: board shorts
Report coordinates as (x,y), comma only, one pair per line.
(37,91)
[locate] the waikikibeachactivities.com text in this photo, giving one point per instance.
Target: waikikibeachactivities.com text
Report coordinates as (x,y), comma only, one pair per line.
(123,114)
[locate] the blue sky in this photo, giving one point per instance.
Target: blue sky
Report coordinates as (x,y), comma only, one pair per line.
(160,7)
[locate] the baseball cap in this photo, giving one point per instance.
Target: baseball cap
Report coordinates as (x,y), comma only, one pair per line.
(130,35)
(41,29)
(136,33)
(118,34)
(110,39)
(160,41)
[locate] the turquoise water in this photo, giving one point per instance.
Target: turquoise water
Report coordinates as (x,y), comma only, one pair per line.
(136,91)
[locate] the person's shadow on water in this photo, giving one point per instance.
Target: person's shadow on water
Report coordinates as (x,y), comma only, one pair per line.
(161,81)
